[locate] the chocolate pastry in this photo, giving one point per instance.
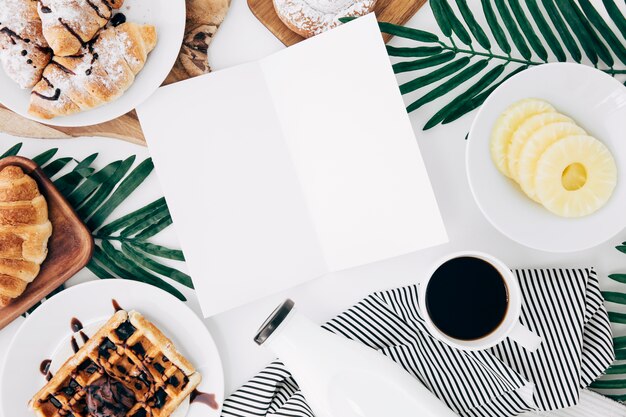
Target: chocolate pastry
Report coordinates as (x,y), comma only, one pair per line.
(70,24)
(24,51)
(101,73)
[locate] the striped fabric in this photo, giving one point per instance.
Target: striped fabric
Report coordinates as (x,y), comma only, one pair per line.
(565,307)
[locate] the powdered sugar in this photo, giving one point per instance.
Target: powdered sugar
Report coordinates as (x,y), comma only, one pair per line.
(14,64)
(72,12)
(317,16)
(15,14)
(104,64)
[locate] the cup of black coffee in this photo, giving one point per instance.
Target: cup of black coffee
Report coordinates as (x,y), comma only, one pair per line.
(472,301)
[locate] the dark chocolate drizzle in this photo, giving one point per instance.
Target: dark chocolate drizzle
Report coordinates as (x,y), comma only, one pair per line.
(55,97)
(204,398)
(116,305)
(74,344)
(76,325)
(97,10)
(72,31)
(44,368)
(118,19)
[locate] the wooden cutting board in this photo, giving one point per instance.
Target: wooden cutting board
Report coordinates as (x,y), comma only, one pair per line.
(203,19)
(69,248)
(392,11)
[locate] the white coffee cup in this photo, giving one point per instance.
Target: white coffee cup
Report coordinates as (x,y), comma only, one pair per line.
(509,327)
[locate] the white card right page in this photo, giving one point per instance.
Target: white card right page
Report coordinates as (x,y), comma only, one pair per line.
(353,146)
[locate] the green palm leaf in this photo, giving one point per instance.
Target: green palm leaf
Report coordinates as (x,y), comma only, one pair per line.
(79,195)
(105,189)
(12,151)
(472,24)
(524,34)
(594,17)
(609,384)
(414,52)
(436,75)
(146,221)
(160,251)
(455,104)
(562,30)
(516,35)
(528,30)
(45,156)
(616,15)
(131,218)
(495,27)
(127,186)
(96,195)
(443,13)
(449,85)
(423,63)
(614,317)
(579,30)
(55,166)
(614,297)
(545,30)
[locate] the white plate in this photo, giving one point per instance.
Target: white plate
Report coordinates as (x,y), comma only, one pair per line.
(168,16)
(597,102)
(45,333)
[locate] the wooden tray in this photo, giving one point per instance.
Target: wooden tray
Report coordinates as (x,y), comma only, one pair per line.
(392,11)
(69,249)
(203,19)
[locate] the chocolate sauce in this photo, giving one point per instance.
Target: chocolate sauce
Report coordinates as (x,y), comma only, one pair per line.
(125,330)
(24,52)
(159,398)
(74,344)
(76,325)
(84,337)
(62,68)
(55,97)
(116,305)
(96,9)
(118,19)
(44,368)
(71,31)
(204,398)
(45,9)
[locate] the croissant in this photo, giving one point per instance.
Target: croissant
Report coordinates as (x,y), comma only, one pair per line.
(69,24)
(24,232)
(24,52)
(102,72)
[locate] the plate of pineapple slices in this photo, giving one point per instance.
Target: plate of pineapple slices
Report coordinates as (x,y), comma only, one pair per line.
(546,157)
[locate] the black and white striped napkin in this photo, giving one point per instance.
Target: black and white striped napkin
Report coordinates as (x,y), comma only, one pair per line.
(564,306)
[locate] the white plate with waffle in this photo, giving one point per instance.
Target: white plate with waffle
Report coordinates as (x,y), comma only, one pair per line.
(150,355)
(168,17)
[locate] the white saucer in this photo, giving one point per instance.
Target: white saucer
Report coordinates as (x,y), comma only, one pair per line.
(597,102)
(47,332)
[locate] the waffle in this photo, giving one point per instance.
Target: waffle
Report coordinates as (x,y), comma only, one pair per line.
(127,369)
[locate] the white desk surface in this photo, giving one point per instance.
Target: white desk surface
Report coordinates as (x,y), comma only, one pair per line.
(242,38)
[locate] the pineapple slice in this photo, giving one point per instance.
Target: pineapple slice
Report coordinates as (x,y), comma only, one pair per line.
(534,148)
(575,176)
(507,123)
(524,131)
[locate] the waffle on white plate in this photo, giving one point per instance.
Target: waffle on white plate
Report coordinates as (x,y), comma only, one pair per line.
(127,369)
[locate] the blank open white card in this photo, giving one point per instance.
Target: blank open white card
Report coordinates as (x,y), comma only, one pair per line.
(282,170)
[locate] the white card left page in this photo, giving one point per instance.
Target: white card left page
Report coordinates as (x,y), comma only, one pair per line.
(231,187)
